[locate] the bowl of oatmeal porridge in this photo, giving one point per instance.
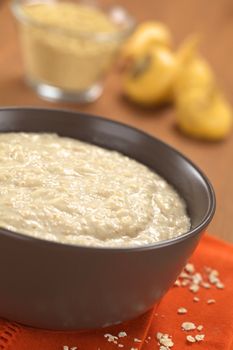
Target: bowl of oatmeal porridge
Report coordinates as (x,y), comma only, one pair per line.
(90,210)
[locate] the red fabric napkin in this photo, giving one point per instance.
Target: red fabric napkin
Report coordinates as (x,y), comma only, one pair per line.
(140,334)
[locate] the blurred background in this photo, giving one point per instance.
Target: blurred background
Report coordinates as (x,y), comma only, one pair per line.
(213,21)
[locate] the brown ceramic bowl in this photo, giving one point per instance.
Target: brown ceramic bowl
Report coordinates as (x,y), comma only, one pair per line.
(59,286)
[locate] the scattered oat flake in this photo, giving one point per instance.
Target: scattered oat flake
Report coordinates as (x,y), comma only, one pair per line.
(177,283)
(159,335)
(196,299)
(122,334)
(213,279)
(200,327)
(220,285)
(213,276)
(197,278)
(120,345)
(111,338)
(148,339)
(184,283)
(137,340)
(194,288)
(211,301)
(182,311)
(134,349)
(65,347)
(189,268)
(200,337)
(206,285)
(166,342)
(190,339)
(162,347)
(188,326)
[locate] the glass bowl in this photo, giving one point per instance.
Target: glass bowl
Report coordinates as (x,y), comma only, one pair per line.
(67,58)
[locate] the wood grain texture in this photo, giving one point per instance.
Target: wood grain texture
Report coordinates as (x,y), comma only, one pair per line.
(215,24)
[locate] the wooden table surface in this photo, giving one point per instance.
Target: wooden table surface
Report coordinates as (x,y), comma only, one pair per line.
(215,24)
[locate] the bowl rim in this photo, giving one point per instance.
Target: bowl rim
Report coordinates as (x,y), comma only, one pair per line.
(16,8)
(164,243)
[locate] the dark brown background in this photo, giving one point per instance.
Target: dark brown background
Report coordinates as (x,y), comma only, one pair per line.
(214,21)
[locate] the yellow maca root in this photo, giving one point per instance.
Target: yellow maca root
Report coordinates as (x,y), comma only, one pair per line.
(188,50)
(201,110)
(149,80)
(192,70)
(202,116)
(147,35)
(157,75)
(196,74)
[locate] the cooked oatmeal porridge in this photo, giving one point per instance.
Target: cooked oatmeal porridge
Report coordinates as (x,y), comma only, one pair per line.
(65,190)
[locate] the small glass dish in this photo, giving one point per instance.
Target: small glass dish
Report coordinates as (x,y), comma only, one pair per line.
(69,64)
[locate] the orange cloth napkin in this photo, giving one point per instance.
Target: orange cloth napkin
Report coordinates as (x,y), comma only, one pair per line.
(217,318)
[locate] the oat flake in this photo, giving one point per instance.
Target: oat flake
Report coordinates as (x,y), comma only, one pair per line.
(190,339)
(182,311)
(194,288)
(122,334)
(211,301)
(190,268)
(220,285)
(188,326)
(196,299)
(137,340)
(199,337)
